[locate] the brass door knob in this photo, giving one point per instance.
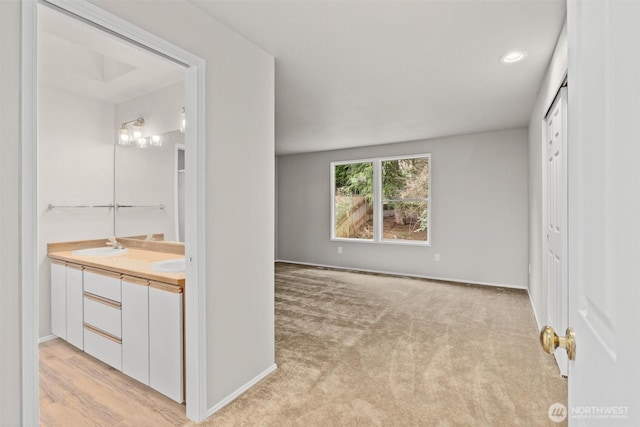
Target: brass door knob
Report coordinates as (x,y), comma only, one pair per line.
(550,341)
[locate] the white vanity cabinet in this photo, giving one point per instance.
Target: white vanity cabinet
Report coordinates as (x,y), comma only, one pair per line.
(135,328)
(165,340)
(59,299)
(103,316)
(130,323)
(74,306)
(66,302)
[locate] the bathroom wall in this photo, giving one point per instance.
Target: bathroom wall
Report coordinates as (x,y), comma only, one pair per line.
(146,176)
(10,261)
(75,150)
(478,215)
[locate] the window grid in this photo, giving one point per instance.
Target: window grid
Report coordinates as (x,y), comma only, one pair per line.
(378,201)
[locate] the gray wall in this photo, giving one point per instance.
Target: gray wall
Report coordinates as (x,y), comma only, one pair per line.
(10,385)
(479,211)
(537,181)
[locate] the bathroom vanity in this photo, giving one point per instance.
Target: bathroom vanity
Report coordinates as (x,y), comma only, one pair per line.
(123,307)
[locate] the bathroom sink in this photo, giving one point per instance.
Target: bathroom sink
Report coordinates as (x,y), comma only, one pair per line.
(169,266)
(101,251)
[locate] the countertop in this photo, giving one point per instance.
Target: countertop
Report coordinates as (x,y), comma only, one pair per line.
(135,262)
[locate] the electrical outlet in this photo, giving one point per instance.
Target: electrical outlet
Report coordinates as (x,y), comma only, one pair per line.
(437,257)
(339,249)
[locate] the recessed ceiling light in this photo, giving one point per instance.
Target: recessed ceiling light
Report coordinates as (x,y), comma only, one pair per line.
(514,56)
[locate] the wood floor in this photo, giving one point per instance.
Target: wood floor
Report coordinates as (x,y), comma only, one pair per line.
(79,390)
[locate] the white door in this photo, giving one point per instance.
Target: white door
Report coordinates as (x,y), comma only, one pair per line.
(556,227)
(604,211)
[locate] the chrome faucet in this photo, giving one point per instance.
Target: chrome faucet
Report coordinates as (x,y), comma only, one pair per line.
(111,241)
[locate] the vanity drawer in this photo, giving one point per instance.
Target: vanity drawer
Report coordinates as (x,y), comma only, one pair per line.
(102,283)
(103,347)
(103,314)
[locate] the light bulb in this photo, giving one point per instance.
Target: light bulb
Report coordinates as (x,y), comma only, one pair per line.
(155,141)
(137,133)
(512,57)
(124,135)
(183,121)
(142,143)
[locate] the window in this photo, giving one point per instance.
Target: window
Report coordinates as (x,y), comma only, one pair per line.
(381,200)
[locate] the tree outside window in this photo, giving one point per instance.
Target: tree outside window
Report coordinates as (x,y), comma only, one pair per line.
(382,200)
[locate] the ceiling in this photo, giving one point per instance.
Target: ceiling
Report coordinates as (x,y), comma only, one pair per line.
(357,73)
(79,58)
(348,73)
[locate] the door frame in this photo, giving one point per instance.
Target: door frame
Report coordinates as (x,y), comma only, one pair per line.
(176,198)
(195,289)
(546,219)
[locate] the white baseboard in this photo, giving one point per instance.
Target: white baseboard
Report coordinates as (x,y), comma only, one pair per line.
(47,338)
(224,402)
(533,308)
(445,279)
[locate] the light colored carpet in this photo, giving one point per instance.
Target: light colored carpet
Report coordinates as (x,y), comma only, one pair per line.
(369,350)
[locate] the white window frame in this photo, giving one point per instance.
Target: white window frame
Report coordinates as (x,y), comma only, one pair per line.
(377,201)
(333,199)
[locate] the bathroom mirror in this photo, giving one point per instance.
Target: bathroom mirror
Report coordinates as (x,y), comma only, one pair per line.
(149,187)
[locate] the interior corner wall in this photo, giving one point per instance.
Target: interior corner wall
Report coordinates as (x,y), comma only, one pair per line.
(10,331)
(478,213)
(537,183)
(239,181)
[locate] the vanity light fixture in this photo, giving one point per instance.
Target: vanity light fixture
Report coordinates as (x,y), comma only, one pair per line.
(149,141)
(136,131)
(136,127)
(513,57)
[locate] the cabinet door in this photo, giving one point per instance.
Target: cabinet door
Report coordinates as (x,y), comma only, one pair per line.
(135,329)
(165,342)
(59,300)
(75,300)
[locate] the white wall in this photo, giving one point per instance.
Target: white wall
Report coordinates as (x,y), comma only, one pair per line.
(240,182)
(146,176)
(537,183)
(10,354)
(479,211)
(75,150)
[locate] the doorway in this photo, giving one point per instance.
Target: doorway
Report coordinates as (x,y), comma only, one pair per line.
(194,107)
